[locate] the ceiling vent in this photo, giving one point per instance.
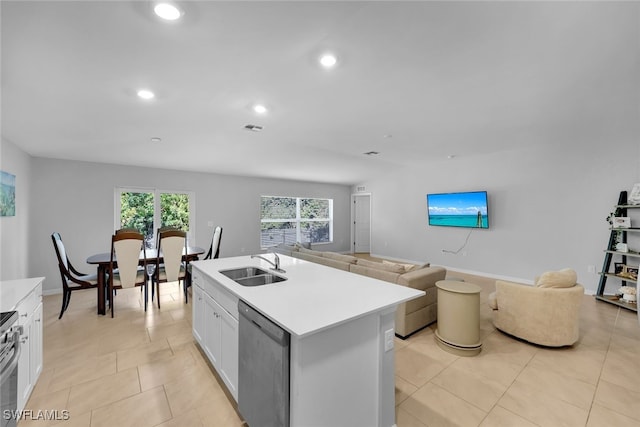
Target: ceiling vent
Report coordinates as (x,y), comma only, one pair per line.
(372,153)
(253,128)
(360,189)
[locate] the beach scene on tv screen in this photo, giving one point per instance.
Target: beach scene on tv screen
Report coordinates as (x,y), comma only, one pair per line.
(458,209)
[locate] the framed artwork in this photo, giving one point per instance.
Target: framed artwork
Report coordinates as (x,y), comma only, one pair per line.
(7,194)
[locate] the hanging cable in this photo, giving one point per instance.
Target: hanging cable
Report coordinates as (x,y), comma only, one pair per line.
(445,251)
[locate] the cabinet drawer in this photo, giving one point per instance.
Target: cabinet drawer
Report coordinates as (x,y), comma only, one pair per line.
(27,306)
(228,301)
(224,298)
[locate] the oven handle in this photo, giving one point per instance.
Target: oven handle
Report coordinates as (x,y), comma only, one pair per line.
(9,367)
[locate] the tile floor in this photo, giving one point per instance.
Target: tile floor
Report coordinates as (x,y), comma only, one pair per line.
(145,370)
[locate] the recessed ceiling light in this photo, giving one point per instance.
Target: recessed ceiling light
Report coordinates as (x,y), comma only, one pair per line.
(451,156)
(259,108)
(167,11)
(156,139)
(146,94)
(328,60)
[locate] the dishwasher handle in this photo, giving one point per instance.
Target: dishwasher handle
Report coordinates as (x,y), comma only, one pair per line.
(258,320)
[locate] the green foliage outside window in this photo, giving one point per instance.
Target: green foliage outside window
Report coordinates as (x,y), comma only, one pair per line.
(137,211)
(174,210)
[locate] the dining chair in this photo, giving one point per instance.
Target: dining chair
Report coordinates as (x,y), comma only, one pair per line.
(72,279)
(127,230)
(171,246)
(212,253)
(125,250)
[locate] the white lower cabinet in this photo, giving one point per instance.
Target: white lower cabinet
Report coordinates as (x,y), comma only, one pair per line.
(215,327)
(30,361)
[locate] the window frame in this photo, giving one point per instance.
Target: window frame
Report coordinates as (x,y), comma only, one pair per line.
(298,219)
(157,219)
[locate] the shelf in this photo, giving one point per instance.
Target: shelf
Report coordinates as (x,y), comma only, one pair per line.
(626,279)
(610,250)
(627,206)
(615,300)
(631,254)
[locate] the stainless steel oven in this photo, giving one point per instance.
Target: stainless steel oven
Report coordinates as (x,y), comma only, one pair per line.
(9,354)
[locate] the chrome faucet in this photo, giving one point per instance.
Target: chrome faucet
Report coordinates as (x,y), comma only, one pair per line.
(275,262)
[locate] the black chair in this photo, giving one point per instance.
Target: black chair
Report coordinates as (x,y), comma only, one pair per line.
(212,253)
(72,279)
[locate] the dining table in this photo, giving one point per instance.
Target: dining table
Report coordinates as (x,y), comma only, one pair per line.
(103,260)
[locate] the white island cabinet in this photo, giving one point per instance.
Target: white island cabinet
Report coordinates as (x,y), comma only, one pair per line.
(25,297)
(342,336)
(215,327)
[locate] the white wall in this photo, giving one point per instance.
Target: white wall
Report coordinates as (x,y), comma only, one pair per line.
(547,209)
(14,230)
(76,199)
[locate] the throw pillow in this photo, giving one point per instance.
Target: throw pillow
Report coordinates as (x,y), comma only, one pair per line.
(564,278)
(340,257)
(304,250)
(381,266)
(407,267)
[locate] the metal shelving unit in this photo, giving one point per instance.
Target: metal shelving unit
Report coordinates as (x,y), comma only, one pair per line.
(605,274)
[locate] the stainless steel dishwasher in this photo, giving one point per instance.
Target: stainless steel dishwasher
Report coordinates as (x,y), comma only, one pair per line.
(263,370)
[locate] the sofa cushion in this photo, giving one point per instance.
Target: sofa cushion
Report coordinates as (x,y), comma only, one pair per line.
(407,267)
(340,257)
(309,251)
(395,268)
(374,273)
(299,245)
(564,278)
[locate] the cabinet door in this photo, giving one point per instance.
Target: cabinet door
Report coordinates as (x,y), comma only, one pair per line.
(197,302)
(229,352)
(24,379)
(212,330)
(35,346)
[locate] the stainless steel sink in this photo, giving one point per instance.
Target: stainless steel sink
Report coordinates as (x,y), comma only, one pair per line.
(262,279)
(240,273)
(252,276)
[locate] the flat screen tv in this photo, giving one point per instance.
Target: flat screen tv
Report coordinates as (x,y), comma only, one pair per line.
(469,209)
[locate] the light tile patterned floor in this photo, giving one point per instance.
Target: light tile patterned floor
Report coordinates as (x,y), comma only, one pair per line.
(145,370)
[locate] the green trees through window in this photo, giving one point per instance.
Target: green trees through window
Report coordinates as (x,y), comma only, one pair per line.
(139,210)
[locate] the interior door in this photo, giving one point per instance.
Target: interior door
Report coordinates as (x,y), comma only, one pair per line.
(362,223)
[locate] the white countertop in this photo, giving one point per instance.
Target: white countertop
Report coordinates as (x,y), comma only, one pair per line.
(315,297)
(14,291)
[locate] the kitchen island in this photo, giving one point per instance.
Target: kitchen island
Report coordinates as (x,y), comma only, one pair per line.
(342,336)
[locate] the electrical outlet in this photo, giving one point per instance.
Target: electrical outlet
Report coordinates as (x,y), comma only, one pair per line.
(464,253)
(209,223)
(388,340)
(591,269)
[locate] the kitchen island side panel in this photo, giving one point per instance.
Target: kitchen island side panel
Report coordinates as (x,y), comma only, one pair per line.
(336,376)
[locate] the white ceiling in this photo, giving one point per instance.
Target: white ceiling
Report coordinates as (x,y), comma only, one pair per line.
(440,78)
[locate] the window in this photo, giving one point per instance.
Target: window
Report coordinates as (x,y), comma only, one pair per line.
(295,219)
(147,210)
